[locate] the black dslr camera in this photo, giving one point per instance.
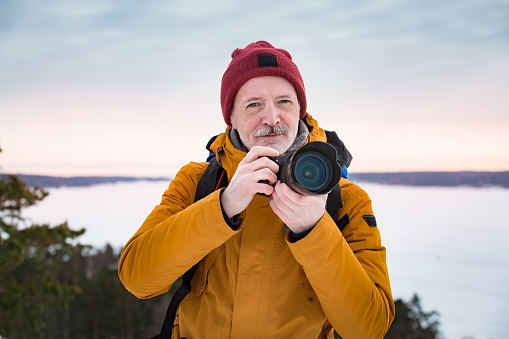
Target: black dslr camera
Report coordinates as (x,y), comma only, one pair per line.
(313,169)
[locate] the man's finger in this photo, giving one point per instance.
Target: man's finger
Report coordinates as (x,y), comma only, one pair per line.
(266,174)
(290,196)
(282,201)
(260,151)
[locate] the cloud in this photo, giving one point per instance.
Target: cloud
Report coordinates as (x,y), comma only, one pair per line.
(123,36)
(365,61)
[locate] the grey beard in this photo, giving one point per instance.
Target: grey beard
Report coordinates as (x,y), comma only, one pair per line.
(300,139)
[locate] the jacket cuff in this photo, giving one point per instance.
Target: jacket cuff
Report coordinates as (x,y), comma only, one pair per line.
(316,239)
(233,222)
(293,237)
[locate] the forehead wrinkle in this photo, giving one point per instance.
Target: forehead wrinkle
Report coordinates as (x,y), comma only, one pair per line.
(289,95)
(253,99)
(281,96)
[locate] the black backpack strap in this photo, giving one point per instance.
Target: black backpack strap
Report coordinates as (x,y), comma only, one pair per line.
(206,185)
(210,179)
(334,204)
(344,156)
(180,294)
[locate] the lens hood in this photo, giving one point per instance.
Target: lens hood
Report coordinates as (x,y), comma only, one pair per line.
(313,169)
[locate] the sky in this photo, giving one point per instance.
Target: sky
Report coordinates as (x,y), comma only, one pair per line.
(108,87)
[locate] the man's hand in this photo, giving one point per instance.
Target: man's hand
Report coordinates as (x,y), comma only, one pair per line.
(245,182)
(298,212)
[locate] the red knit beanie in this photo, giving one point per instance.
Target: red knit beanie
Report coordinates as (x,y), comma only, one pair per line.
(256,60)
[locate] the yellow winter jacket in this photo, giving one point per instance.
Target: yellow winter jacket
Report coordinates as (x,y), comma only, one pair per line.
(253,282)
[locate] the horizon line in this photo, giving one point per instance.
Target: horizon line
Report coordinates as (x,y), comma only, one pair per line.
(170,176)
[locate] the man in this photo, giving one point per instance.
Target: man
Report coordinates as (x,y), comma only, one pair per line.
(275,267)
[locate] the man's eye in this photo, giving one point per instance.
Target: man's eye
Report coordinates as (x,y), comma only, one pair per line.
(284,101)
(253,104)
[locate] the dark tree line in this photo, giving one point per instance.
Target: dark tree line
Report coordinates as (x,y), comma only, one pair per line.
(52,286)
(412,322)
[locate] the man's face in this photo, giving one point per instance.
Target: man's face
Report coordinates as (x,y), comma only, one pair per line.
(266,112)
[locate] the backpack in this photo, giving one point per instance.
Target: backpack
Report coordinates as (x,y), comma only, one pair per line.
(212,179)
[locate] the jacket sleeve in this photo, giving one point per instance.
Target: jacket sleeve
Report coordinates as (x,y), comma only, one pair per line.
(348,269)
(176,235)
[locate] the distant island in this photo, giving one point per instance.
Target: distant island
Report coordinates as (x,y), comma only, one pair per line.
(51,181)
(442,179)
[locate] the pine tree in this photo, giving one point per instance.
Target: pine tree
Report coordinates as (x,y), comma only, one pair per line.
(34,292)
(412,322)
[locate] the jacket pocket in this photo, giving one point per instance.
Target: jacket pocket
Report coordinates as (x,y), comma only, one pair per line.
(306,285)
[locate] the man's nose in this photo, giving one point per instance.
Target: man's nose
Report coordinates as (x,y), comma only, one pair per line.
(271,115)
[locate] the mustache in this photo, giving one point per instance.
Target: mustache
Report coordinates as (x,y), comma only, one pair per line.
(277,129)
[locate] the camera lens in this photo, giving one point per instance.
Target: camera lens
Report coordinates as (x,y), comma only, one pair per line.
(312,171)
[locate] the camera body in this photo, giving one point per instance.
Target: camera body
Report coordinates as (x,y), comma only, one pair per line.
(313,169)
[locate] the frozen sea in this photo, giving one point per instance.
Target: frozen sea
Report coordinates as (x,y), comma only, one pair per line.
(448,245)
